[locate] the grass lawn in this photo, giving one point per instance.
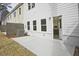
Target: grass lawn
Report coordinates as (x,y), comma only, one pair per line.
(8,47)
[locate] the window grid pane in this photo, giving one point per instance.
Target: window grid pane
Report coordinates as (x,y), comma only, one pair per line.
(29,6)
(33,5)
(34,22)
(43,21)
(34,25)
(34,28)
(43,25)
(28,25)
(43,28)
(19,10)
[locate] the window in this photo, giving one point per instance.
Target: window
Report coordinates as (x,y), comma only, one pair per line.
(14,14)
(19,11)
(57,27)
(31,5)
(28,25)
(43,25)
(34,25)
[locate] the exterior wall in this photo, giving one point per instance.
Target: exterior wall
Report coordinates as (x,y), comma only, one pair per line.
(69,12)
(47,11)
(41,11)
(18,18)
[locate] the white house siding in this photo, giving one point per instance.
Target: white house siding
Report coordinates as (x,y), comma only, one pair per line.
(40,11)
(69,12)
(18,18)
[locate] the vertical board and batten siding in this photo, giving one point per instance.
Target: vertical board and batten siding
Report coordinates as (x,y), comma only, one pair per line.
(69,12)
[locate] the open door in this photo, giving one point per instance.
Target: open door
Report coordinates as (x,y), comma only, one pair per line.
(76,53)
(57,27)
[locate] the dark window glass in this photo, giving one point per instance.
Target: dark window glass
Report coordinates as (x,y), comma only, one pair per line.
(43,28)
(19,10)
(29,6)
(34,25)
(43,25)
(43,21)
(28,25)
(33,5)
(34,22)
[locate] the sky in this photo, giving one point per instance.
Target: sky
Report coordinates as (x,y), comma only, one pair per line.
(13,5)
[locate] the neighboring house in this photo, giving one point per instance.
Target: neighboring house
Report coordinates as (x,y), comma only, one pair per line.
(46,20)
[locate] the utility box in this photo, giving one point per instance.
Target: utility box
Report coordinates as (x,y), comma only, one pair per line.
(3,28)
(15,29)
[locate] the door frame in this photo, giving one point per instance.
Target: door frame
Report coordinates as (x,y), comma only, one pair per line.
(57,27)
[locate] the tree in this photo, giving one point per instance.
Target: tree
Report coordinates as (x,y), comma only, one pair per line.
(4,10)
(5,6)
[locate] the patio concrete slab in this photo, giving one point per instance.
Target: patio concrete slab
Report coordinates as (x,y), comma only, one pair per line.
(43,47)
